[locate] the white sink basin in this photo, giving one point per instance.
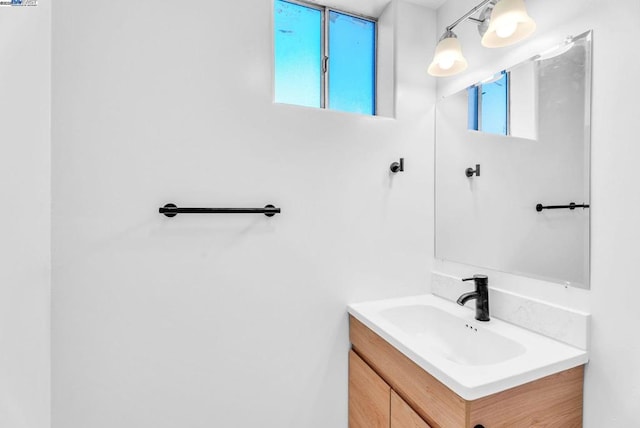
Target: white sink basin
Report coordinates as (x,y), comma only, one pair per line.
(451,337)
(473,358)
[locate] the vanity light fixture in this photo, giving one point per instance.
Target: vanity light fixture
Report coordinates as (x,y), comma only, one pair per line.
(501,23)
(448,59)
(509,23)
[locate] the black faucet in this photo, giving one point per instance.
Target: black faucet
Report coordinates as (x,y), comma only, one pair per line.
(481,295)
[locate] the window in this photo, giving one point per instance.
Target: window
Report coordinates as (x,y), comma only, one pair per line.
(298,54)
(324,58)
(489,105)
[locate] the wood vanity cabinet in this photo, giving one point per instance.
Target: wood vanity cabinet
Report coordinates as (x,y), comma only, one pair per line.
(387,389)
(373,404)
(403,416)
(369,396)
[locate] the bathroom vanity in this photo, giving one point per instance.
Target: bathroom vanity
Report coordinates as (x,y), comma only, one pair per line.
(412,379)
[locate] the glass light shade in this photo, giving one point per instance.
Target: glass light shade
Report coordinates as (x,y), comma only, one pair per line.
(509,24)
(448,59)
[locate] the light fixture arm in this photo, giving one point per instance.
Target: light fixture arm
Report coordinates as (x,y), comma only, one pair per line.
(467,15)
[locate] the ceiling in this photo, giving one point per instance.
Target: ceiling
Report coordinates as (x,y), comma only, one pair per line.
(433,4)
(372,8)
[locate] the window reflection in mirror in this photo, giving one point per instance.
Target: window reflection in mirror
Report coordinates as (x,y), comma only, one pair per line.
(489,105)
(506,103)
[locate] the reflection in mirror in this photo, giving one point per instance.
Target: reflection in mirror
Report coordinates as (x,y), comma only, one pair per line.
(489,105)
(506,103)
(529,129)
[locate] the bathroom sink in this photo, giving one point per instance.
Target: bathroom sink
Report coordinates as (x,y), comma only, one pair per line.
(451,337)
(473,358)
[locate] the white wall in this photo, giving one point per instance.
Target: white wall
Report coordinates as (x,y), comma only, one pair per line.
(25,87)
(225,321)
(612,378)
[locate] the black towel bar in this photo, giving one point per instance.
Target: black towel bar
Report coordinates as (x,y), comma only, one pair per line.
(571,206)
(171,210)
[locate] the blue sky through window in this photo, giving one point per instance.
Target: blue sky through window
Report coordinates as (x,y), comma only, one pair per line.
(352,56)
(299,40)
(489,106)
(298,54)
(495,96)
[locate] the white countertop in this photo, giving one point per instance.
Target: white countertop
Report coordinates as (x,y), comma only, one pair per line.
(540,357)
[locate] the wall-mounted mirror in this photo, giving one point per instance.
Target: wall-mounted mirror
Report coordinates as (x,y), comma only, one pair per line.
(529,129)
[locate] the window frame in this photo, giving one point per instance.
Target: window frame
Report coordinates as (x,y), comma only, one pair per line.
(325,61)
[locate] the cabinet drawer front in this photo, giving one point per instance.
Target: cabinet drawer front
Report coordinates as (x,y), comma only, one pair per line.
(369,396)
(434,402)
(403,416)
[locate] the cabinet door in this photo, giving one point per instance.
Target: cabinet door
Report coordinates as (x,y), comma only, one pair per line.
(369,396)
(403,416)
